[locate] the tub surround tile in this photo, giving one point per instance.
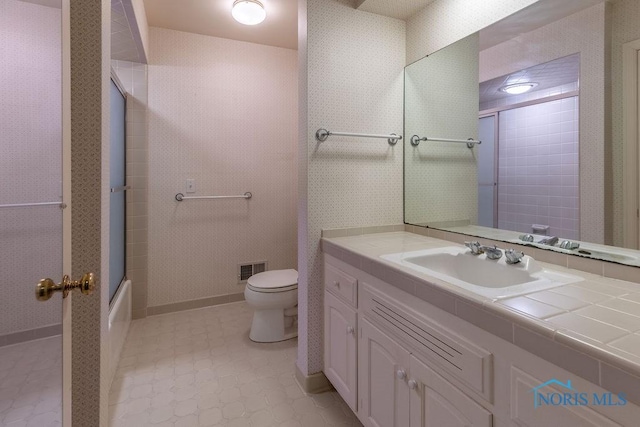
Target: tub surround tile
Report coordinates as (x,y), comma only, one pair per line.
(572,326)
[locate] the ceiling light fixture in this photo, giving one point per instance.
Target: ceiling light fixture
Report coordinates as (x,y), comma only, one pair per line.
(518,88)
(248,12)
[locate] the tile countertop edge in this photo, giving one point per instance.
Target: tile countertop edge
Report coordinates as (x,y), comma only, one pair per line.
(583,357)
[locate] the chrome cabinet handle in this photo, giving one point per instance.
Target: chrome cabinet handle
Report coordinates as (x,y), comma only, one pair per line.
(413,384)
(350,329)
(336,284)
(401,374)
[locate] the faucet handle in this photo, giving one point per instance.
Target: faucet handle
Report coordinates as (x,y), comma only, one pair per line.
(513,256)
(568,244)
(526,237)
(476,247)
(492,252)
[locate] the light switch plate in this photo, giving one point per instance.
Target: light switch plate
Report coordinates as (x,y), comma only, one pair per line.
(191,186)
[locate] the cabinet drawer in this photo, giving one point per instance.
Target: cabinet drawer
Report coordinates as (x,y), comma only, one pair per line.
(341,284)
(428,340)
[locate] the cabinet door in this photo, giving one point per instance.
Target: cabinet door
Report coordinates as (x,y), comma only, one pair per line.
(524,412)
(382,379)
(340,348)
(437,403)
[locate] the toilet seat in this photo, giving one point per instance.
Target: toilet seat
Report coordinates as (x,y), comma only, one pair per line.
(273,281)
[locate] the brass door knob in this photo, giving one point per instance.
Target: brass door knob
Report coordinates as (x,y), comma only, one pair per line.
(46,287)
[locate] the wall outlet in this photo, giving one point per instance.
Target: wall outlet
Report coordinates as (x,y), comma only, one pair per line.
(191,186)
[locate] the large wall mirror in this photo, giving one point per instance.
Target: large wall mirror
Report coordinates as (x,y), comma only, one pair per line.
(526,132)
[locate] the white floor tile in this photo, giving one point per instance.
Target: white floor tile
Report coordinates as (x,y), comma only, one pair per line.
(199,368)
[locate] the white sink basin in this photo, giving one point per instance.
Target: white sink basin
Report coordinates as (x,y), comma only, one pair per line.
(476,273)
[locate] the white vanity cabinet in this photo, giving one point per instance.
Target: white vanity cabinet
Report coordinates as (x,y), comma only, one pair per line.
(436,403)
(340,348)
(399,362)
(341,333)
(375,371)
(382,379)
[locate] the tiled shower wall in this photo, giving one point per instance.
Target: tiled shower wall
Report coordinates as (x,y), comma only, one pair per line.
(30,167)
(223,113)
(585,33)
(134,78)
(538,181)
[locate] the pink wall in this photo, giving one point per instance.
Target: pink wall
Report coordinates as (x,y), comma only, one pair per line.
(30,162)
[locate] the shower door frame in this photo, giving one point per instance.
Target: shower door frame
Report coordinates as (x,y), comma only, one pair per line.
(631,145)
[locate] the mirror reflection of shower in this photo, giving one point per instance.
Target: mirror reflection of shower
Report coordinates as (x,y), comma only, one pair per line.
(528,164)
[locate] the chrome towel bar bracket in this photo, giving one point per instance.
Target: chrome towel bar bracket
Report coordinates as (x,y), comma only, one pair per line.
(180,197)
(415,141)
(323,134)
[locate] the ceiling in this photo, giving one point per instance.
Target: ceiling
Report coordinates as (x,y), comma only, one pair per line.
(539,14)
(213,18)
(403,9)
(551,74)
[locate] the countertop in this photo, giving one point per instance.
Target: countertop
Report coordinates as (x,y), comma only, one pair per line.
(590,328)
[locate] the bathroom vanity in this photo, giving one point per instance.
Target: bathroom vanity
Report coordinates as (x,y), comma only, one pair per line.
(406,348)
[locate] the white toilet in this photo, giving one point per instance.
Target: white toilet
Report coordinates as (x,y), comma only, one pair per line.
(274,297)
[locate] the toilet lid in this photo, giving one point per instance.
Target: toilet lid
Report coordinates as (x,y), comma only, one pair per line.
(274,279)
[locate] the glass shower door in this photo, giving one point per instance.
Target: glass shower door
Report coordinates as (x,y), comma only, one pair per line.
(31,212)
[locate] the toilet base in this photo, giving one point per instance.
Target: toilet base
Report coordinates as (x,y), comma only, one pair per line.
(269,326)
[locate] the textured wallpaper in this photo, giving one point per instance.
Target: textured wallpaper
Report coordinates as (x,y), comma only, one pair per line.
(446,21)
(441,101)
(584,33)
(223,113)
(355,66)
(30,163)
(625,15)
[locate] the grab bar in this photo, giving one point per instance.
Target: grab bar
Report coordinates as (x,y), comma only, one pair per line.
(180,197)
(415,140)
(27,205)
(323,134)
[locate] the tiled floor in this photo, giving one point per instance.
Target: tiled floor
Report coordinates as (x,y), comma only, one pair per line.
(31,384)
(199,368)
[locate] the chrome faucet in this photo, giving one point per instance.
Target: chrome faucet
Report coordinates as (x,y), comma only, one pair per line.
(513,256)
(476,247)
(551,241)
(492,252)
(526,237)
(568,244)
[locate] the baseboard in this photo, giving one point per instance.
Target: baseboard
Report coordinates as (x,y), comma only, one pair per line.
(314,383)
(197,303)
(138,314)
(30,335)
